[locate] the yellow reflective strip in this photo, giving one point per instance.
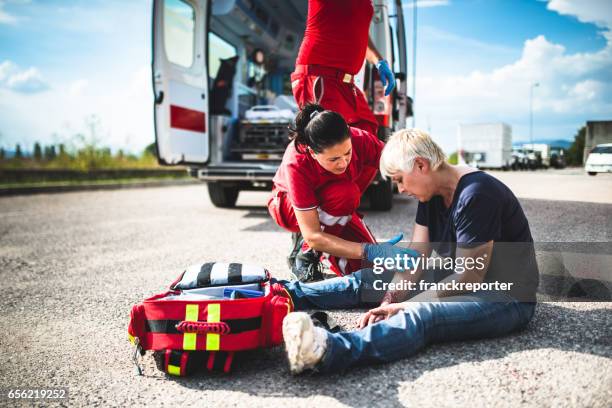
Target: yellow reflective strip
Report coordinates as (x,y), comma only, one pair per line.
(191,315)
(213,340)
(189,341)
(174,370)
(214,313)
(131,338)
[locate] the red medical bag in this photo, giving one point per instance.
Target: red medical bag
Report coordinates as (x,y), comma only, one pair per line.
(203,319)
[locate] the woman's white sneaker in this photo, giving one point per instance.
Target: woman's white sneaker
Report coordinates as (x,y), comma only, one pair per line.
(305,344)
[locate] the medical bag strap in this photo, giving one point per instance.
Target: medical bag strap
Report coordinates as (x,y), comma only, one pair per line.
(203,327)
(220,361)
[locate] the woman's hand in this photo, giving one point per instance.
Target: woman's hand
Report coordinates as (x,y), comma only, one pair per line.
(383,312)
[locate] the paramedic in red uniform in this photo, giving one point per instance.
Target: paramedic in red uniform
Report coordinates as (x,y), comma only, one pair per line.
(336,43)
(316,191)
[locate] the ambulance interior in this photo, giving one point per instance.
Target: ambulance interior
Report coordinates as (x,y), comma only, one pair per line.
(252,47)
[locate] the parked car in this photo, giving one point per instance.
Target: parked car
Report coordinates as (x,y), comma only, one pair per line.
(599,160)
(557,158)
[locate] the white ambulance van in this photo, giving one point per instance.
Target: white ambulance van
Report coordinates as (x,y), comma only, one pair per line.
(223,101)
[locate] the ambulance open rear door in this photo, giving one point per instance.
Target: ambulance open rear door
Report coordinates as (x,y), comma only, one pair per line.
(180,81)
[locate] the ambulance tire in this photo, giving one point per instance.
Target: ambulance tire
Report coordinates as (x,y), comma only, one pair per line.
(223,195)
(381,195)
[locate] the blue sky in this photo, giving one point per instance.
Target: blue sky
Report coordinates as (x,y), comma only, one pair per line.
(61,61)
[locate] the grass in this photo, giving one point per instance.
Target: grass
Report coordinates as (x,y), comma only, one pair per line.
(125,181)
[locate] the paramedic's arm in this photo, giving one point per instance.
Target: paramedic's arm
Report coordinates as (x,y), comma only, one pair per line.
(420,242)
(308,220)
(475,274)
(372,54)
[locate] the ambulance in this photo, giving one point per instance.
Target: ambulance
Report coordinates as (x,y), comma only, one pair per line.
(222,90)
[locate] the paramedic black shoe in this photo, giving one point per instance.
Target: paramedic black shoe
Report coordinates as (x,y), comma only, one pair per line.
(305,344)
(307,266)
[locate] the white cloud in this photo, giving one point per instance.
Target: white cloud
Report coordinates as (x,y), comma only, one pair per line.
(587,11)
(571,85)
(426,3)
(24,81)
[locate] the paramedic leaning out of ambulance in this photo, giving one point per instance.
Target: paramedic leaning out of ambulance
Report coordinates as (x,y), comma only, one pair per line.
(315,191)
(336,43)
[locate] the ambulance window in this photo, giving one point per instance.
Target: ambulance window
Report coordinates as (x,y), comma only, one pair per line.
(218,49)
(179,32)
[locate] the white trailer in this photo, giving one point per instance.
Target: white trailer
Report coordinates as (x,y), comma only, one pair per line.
(543,150)
(485,145)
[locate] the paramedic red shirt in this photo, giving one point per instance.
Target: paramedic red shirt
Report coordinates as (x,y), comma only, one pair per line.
(300,176)
(336,34)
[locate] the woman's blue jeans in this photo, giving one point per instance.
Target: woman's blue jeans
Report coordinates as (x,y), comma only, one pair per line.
(471,316)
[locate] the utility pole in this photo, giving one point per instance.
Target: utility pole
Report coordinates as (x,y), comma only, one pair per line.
(533,85)
(414,46)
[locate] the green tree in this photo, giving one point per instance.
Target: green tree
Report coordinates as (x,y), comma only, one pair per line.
(18,152)
(2,153)
(576,150)
(37,151)
(50,153)
(453,158)
(150,150)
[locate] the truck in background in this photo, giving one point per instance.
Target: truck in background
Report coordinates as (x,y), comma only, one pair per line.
(485,145)
(221,79)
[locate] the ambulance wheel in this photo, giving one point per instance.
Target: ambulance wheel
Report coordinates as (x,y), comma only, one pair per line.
(223,195)
(381,195)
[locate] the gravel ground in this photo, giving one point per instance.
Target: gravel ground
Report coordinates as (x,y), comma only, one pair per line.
(73,264)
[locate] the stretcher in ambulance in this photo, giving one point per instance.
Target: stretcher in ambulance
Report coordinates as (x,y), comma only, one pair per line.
(223,101)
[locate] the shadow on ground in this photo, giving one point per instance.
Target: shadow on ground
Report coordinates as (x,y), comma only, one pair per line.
(553,327)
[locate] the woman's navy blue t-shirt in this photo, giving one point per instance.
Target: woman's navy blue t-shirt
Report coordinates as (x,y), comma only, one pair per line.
(483,209)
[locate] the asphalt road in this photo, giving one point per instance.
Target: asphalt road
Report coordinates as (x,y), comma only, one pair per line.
(73,264)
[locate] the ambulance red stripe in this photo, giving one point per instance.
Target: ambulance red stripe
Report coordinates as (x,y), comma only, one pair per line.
(187,119)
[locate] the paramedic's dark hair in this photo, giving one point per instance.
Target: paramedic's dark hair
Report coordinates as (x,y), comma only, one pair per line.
(318,130)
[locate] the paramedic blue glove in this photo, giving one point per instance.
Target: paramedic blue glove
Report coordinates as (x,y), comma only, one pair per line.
(376,252)
(386,76)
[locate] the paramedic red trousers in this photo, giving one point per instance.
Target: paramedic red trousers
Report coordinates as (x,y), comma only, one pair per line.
(337,215)
(336,91)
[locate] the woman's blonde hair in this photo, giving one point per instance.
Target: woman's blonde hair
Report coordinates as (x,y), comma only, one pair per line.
(406,145)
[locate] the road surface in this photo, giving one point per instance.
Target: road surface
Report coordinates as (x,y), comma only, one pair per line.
(73,264)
